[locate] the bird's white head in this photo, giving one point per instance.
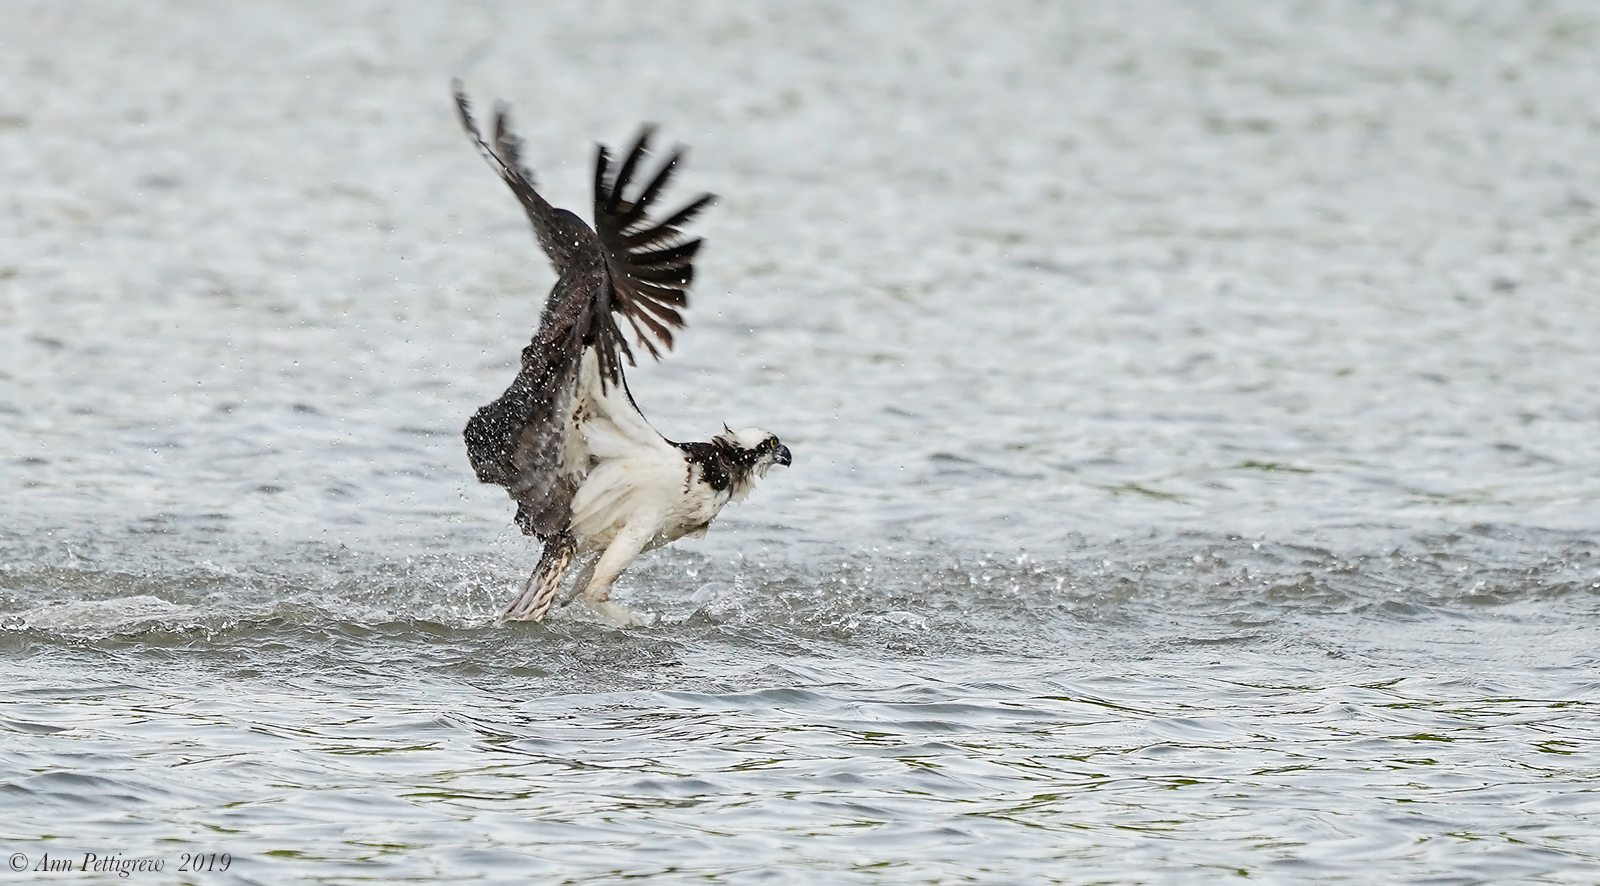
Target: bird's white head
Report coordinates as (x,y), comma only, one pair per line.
(753,451)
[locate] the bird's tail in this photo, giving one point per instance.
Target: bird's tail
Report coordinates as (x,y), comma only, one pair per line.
(540,591)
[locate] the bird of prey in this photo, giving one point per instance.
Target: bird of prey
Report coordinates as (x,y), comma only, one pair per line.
(593,481)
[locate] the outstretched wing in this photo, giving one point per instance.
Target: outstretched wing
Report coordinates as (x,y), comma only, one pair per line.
(535,439)
(557,230)
(650,263)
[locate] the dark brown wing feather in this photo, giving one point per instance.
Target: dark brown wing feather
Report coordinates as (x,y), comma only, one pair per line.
(633,267)
(559,232)
(650,264)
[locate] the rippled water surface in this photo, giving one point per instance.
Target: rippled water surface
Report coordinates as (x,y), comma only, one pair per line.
(1194,410)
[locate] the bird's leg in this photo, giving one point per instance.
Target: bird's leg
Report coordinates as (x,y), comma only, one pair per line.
(580,579)
(623,549)
(540,590)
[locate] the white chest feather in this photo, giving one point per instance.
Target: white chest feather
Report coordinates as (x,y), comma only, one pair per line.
(662,494)
(697,507)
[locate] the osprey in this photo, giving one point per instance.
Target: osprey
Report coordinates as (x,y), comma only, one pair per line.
(591,478)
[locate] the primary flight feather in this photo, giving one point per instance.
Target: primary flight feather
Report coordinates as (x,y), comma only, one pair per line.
(593,481)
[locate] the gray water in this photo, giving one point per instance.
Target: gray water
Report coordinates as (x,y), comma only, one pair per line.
(1194,410)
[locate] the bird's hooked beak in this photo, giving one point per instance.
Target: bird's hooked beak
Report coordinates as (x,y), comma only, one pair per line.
(781,457)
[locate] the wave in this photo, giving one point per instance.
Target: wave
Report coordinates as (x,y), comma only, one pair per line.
(929,601)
